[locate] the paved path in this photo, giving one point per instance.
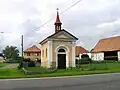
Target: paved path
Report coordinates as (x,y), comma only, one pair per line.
(90,82)
(9,66)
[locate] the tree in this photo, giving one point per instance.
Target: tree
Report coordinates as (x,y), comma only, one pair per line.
(11,53)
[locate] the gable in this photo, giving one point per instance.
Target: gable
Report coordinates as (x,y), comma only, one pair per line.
(34,48)
(63,35)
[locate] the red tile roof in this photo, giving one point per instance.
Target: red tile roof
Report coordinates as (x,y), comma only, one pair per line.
(34,48)
(80,50)
(108,44)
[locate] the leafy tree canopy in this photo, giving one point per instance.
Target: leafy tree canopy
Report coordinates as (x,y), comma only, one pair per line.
(11,53)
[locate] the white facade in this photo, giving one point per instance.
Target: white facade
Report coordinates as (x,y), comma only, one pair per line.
(97,56)
(119,55)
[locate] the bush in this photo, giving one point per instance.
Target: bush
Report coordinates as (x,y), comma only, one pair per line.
(31,64)
(26,60)
(84,56)
(83,61)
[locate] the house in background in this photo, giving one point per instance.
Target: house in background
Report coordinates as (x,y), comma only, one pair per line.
(58,49)
(33,53)
(79,51)
(107,49)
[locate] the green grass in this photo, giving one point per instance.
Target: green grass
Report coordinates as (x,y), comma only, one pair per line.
(11,73)
(95,68)
(3,64)
(36,69)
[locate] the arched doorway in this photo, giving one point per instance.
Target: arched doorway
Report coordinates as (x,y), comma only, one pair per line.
(61,59)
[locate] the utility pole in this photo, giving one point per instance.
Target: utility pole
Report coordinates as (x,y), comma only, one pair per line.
(22,45)
(21,64)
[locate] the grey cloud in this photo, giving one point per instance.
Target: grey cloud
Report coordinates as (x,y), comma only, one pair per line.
(80,22)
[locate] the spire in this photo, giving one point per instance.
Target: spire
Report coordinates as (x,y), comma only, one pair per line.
(57,22)
(57,18)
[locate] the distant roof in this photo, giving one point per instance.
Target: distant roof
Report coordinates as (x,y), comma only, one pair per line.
(34,48)
(108,44)
(80,50)
(57,33)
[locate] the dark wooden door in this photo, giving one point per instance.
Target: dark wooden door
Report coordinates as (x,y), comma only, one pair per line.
(61,61)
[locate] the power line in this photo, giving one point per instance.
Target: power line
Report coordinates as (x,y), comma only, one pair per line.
(60,13)
(71,6)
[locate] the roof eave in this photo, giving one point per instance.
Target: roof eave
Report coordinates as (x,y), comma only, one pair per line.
(43,41)
(31,51)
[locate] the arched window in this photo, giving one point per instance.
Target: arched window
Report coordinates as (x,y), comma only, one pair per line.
(61,50)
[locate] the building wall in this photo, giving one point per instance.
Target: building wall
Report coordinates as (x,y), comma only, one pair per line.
(44,54)
(32,56)
(64,43)
(97,56)
(119,55)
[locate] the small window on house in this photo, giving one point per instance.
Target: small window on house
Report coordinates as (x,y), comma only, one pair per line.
(36,59)
(31,54)
(36,54)
(28,54)
(46,52)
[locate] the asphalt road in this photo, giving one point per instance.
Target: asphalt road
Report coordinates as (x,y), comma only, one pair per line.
(90,82)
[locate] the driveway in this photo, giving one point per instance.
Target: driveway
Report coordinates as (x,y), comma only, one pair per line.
(90,82)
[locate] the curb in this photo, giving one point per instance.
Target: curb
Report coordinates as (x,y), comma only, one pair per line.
(57,77)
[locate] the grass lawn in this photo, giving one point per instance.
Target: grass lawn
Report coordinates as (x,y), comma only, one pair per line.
(3,64)
(84,70)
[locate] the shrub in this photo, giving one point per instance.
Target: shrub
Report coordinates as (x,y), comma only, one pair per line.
(31,64)
(84,56)
(26,59)
(85,60)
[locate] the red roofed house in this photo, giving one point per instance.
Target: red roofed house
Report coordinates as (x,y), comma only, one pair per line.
(107,49)
(32,53)
(80,50)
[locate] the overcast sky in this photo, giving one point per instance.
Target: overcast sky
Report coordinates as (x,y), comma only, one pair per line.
(89,20)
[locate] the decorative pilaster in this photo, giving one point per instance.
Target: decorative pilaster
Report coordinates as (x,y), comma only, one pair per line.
(41,56)
(73,54)
(49,53)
